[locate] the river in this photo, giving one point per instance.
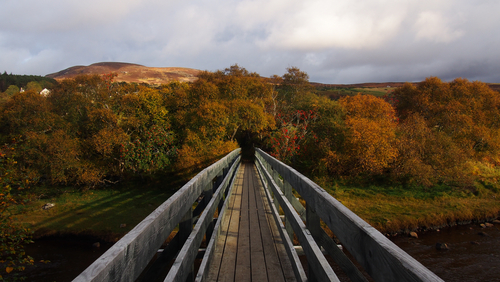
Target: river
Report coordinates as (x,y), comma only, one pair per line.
(471,256)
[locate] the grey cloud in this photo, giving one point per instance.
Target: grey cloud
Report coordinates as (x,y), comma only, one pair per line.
(337,41)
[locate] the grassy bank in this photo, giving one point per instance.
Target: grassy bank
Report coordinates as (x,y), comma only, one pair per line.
(107,213)
(394,209)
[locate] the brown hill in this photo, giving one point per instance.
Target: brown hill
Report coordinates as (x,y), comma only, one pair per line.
(130,73)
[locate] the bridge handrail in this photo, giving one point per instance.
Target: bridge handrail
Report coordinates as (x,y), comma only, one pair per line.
(381,258)
(127,258)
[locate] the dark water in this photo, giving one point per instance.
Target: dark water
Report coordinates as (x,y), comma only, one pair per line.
(471,256)
(68,257)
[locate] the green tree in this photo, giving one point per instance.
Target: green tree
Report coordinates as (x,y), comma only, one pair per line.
(11,90)
(35,86)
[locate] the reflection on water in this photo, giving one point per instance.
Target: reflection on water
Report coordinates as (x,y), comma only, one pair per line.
(68,257)
(471,256)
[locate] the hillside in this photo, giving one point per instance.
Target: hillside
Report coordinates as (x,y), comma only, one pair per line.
(127,72)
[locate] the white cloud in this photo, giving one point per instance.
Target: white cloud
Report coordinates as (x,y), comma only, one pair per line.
(320,24)
(435,27)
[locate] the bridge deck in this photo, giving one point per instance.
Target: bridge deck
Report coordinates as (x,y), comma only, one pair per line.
(249,248)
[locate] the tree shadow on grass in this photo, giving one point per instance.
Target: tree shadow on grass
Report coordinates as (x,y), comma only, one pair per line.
(103,217)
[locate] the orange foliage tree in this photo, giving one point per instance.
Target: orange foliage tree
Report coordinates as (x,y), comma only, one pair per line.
(369,138)
(445,128)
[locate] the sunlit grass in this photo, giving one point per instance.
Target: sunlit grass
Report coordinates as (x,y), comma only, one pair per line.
(392,209)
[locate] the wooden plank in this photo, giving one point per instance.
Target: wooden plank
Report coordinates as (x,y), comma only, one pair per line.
(127,258)
(209,268)
(284,260)
(243,271)
(182,269)
(274,266)
(288,244)
(381,258)
(228,264)
(257,258)
(318,263)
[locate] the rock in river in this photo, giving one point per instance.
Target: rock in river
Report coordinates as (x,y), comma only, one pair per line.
(442,246)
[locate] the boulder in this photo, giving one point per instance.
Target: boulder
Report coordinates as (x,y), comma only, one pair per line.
(48,206)
(414,235)
(442,246)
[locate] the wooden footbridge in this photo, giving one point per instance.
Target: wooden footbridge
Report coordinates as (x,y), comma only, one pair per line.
(238,221)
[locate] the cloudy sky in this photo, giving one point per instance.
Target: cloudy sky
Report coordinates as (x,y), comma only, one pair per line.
(334,41)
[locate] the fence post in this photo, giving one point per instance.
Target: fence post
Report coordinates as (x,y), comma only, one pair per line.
(287,190)
(185,228)
(313,225)
(211,187)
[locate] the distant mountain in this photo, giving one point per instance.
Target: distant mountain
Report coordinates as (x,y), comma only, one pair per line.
(130,73)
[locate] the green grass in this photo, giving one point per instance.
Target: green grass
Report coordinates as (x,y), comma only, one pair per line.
(392,209)
(373,91)
(97,213)
(389,208)
(339,92)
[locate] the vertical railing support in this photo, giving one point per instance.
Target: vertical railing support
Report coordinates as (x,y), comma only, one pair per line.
(287,190)
(313,225)
(215,184)
(275,176)
(185,228)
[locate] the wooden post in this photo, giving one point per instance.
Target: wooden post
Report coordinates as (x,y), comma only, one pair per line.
(314,226)
(276,202)
(185,228)
(211,187)
(288,194)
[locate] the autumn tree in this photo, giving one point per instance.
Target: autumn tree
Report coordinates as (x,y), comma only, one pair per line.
(290,117)
(13,236)
(370,137)
(458,122)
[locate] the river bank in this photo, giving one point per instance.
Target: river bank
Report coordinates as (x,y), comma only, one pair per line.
(471,252)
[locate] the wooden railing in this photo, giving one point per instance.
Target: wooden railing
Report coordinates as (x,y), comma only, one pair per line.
(136,256)
(376,254)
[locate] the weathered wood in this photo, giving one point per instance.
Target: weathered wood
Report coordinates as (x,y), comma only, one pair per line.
(258,261)
(274,267)
(313,225)
(292,254)
(317,262)
(287,190)
(127,258)
(243,270)
(325,241)
(228,264)
(182,269)
(214,251)
(381,258)
(185,228)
